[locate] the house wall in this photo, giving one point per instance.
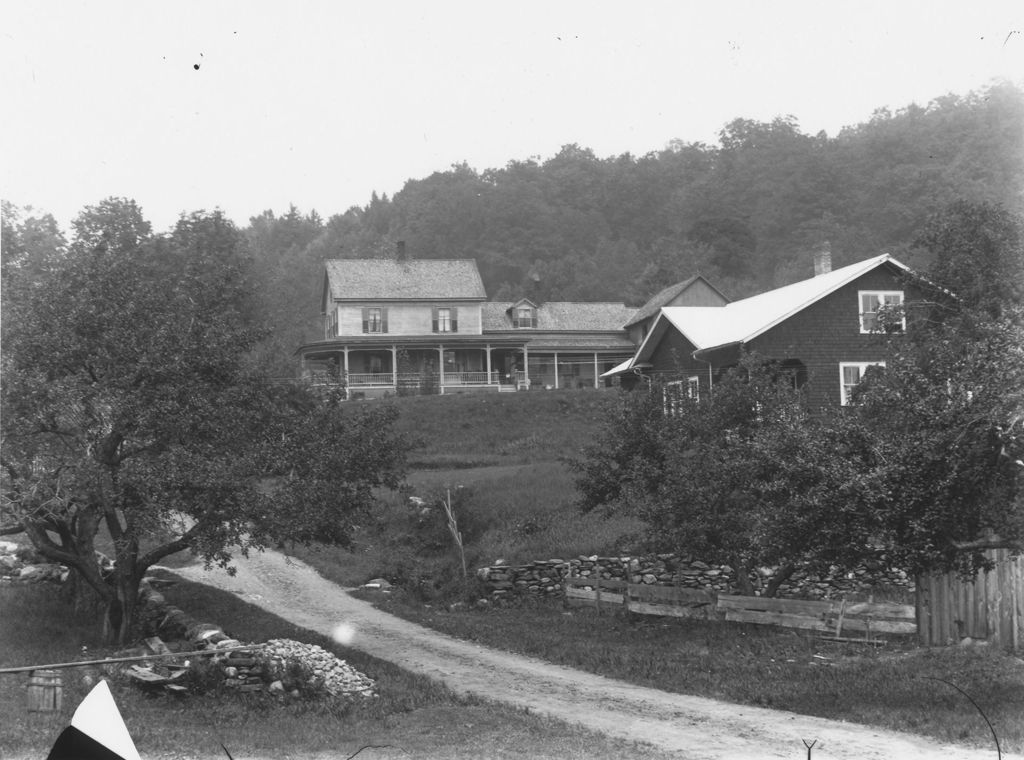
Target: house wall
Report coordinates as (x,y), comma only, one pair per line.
(698,294)
(408,318)
(821,336)
(827,333)
(673,360)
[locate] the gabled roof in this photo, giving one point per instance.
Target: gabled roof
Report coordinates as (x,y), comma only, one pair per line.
(560,316)
(666,296)
(741,321)
(415,279)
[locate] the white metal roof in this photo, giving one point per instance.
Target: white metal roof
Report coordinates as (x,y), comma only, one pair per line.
(742,321)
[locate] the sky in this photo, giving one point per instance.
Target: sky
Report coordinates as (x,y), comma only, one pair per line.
(253,105)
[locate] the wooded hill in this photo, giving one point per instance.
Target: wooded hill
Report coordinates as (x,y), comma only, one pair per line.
(747,212)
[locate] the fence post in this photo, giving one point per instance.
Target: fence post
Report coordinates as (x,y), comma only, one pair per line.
(597,587)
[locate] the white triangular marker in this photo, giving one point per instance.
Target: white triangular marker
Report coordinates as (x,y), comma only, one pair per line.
(99,719)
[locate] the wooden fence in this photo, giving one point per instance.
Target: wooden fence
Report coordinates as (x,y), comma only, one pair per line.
(991,607)
(833,618)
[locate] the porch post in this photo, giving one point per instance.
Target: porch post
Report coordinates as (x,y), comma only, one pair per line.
(344,357)
(487,352)
(526,365)
(557,386)
(595,370)
(394,366)
(440,370)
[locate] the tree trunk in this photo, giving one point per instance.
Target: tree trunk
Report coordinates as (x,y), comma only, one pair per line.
(119,620)
(782,575)
(743,584)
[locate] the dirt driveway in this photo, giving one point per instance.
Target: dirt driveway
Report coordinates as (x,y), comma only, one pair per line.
(692,727)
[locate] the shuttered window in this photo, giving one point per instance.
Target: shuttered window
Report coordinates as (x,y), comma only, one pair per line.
(445,319)
(375,319)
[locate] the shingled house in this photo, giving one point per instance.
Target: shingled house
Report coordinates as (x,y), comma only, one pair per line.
(823,332)
(424,325)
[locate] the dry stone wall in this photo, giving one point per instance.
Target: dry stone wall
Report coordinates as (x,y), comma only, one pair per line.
(544,577)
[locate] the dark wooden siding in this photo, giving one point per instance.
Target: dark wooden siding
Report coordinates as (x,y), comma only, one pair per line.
(673,360)
(827,333)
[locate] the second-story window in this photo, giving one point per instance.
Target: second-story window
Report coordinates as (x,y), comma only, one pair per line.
(882,311)
(375,319)
(445,319)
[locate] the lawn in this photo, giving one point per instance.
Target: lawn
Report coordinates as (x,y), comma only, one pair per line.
(412,717)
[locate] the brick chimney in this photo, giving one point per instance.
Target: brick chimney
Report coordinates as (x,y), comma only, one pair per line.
(823,259)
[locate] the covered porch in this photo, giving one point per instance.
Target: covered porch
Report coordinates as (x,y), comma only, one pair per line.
(408,367)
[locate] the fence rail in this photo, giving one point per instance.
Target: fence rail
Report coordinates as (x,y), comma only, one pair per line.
(826,617)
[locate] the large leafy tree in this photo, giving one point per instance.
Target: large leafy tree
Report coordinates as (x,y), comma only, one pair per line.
(948,412)
(130,407)
(734,478)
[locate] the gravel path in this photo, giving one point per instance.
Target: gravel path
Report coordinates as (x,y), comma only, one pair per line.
(693,727)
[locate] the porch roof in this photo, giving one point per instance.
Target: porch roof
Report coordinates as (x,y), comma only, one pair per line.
(454,340)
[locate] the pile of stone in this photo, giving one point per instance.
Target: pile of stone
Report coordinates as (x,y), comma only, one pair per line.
(280,666)
(18,564)
(543,578)
(286,660)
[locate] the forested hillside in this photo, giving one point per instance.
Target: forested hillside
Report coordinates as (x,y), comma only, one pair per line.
(746,212)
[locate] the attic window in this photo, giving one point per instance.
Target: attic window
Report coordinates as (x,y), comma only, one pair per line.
(881,311)
(524,316)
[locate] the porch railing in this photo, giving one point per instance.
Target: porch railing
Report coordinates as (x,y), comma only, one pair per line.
(370,378)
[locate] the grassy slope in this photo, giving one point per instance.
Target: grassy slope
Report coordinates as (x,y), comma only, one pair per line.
(414,716)
(509,451)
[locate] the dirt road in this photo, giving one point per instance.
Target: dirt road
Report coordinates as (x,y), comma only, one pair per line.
(693,727)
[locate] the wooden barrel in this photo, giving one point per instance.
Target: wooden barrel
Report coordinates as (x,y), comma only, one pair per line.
(45,691)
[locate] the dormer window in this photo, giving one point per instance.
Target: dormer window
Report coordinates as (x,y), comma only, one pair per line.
(524,315)
(882,311)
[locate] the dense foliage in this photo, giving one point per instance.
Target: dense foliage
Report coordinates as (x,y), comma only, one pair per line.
(131,405)
(927,466)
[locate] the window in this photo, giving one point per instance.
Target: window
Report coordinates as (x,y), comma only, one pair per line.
(525,316)
(445,319)
(375,319)
(693,388)
(850,376)
(675,391)
(874,303)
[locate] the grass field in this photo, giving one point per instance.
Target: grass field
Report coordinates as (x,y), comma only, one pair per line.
(505,458)
(413,716)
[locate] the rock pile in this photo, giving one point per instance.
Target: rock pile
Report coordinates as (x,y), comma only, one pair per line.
(285,659)
(22,564)
(280,666)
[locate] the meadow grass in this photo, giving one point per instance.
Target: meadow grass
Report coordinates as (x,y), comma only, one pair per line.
(516,513)
(413,715)
(482,429)
(890,687)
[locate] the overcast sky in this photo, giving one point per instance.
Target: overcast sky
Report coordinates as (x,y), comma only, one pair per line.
(254,105)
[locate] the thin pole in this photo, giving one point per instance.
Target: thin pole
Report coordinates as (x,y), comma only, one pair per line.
(29,668)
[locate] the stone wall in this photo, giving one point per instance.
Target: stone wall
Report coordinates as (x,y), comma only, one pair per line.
(544,577)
